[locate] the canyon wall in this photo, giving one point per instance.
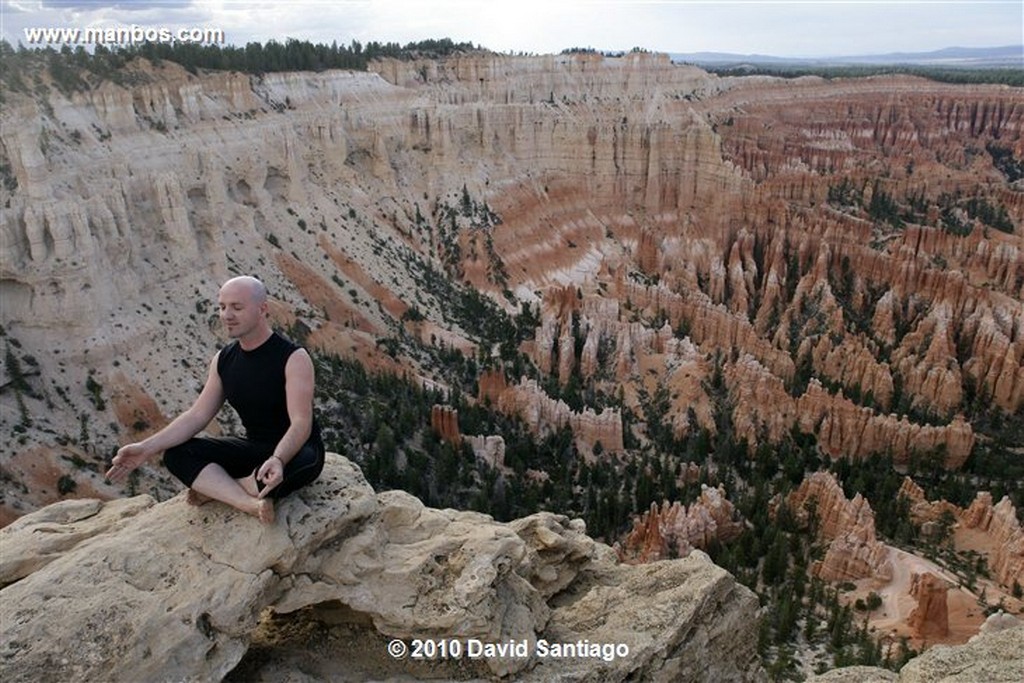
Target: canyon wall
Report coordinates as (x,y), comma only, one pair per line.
(1000,525)
(816,243)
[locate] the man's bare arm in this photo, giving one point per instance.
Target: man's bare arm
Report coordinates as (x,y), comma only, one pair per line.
(299,384)
(180,430)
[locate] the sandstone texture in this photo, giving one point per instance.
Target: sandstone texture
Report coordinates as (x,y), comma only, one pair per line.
(444,420)
(545,415)
(138,590)
(923,511)
(856,674)
(1000,524)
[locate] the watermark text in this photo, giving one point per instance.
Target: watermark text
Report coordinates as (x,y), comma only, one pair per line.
(122,35)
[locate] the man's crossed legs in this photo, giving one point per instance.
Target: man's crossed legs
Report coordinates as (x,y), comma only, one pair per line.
(224,469)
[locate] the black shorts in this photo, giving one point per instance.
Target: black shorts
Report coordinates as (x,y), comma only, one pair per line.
(241,457)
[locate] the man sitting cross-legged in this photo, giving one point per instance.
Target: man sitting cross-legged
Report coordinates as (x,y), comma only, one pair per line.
(268,380)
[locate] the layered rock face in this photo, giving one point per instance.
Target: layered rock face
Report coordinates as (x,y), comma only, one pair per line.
(84,598)
(849,525)
(852,248)
(545,415)
(923,511)
(444,420)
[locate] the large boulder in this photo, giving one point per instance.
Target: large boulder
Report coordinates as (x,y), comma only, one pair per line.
(173,593)
(132,590)
(993,657)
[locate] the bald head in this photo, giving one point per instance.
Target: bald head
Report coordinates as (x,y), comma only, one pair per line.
(243,310)
(247,285)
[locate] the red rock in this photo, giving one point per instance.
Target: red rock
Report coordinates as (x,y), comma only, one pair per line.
(543,414)
(930,619)
(849,525)
(673,530)
(1000,524)
(923,511)
(444,420)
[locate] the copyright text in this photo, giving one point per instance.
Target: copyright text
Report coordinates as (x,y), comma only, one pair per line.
(473,648)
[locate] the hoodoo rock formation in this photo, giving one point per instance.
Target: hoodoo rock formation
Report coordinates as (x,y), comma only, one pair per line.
(544,414)
(851,247)
(997,524)
(930,619)
(674,530)
(132,590)
(1000,524)
(849,526)
(444,420)
(923,511)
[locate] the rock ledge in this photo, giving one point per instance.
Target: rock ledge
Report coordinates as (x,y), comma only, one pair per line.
(137,590)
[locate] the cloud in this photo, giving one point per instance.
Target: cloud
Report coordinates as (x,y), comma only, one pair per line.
(777,27)
(122,6)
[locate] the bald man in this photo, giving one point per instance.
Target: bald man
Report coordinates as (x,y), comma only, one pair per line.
(268,380)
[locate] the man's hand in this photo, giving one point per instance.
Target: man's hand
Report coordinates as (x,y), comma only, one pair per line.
(270,474)
(127,459)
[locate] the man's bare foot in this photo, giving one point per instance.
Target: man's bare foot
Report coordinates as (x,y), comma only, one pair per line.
(249,485)
(193,497)
(265,511)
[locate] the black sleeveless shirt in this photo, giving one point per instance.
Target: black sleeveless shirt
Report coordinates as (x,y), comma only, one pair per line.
(254,385)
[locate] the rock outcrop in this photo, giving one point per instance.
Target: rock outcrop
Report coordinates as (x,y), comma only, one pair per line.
(930,619)
(999,522)
(764,407)
(848,525)
(544,415)
(922,510)
(674,530)
(132,590)
(444,420)
(489,449)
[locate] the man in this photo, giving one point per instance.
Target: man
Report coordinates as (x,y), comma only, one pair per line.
(268,380)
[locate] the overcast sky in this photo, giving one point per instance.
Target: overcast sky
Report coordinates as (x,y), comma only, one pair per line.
(795,28)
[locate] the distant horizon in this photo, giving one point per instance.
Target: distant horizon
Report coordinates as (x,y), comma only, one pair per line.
(786,29)
(991,48)
(1011,56)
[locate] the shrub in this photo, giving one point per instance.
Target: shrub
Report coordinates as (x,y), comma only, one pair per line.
(66,484)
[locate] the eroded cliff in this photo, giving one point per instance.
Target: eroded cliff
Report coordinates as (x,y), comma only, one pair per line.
(845,256)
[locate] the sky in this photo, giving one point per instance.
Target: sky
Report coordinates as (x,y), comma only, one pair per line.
(792,28)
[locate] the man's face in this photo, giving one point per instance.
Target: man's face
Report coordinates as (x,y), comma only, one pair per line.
(240,311)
